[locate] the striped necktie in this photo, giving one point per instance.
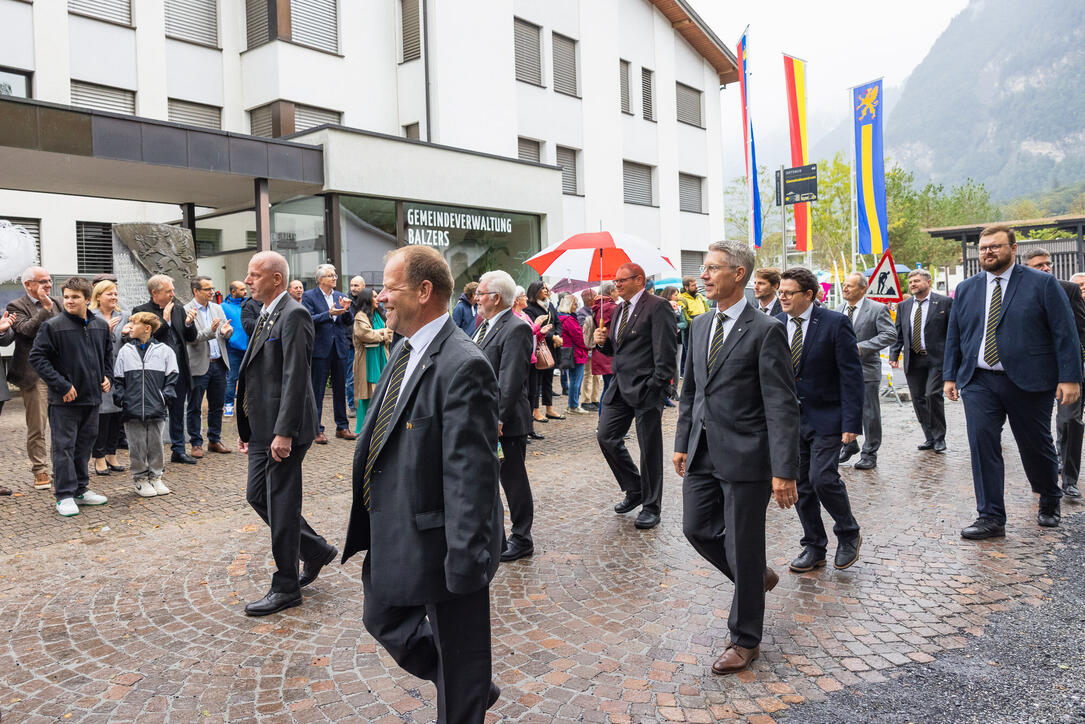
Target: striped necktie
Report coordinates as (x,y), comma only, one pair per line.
(621,323)
(796,343)
(990,342)
(384,416)
(851,313)
(481,333)
(717,340)
(917,328)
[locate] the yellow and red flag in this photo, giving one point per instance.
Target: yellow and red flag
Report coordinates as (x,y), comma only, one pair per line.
(795,77)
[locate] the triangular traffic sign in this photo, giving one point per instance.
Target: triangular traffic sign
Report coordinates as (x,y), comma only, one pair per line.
(884,285)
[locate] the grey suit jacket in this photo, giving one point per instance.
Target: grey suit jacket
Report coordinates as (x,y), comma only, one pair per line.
(507,346)
(875,331)
(199,352)
(746,404)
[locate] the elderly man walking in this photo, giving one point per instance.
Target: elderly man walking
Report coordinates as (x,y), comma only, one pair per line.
(329,309)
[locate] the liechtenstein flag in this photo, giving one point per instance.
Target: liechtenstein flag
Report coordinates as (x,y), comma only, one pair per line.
(753,191)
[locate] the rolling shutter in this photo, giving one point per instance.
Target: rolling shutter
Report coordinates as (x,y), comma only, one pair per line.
(567,161)
(195,20)
(689,104)
(637,183)
(118,11)
(528,149)
(315,23)
(691,264)
(256,23)
(195,114)
(689,193)
(103,98)
(528,51)
(260,121)
(623,82)
(647,94)
(94,248)
(32,226)
(410,30)
(306,117)
(565,65)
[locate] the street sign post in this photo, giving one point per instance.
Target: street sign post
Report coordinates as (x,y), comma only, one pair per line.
(884,285)
(800,184)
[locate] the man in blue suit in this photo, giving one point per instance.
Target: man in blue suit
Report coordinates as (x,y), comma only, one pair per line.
(829,384)
(329,310)
(1011,348)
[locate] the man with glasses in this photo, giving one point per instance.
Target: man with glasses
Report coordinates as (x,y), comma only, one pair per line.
(209,363)
(643,342)
(1011,349)
(329,309)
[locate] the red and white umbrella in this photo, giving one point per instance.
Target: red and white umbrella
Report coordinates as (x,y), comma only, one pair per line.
(596,257)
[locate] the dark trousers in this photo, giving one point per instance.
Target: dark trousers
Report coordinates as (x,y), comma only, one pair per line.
(274,492)
(925,385)
(517,489)
(724,521)
(615,417)
(109,432)
(177,416)
(989,399)
(819,485)
(872,418)
(73,429)
(447,643)
(1070,429)
(213,383)
(541,383)
(335,366)
(236,356)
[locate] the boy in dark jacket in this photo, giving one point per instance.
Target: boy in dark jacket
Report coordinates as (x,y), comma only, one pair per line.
(145,377)
(71,354)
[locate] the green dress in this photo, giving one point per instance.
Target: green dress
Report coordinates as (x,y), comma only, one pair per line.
(375,360)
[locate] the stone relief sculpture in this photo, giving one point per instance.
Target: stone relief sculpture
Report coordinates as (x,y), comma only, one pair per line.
(154,249)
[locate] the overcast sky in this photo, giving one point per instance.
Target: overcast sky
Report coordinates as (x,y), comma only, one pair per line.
(844,42)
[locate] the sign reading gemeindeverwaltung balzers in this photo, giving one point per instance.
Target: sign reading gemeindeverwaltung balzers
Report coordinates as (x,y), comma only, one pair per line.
(434,227)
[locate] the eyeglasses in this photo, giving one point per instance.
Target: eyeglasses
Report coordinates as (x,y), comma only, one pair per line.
(483,294)
(992,249)
(207,289)
(41,281)
(713,268)
(623,280)
(788,295)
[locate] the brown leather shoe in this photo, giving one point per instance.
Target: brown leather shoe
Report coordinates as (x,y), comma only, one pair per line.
(735,658)
(321,439)
(771,579)
(41,481)
(197,451)
(345,435)
(218,447)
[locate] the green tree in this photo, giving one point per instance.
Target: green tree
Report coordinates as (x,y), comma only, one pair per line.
(737,217)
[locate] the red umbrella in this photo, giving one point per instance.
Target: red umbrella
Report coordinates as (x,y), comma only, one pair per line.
(596,257)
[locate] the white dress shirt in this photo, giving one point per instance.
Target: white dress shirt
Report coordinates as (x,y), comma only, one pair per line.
(269,308)
(858,305)
(1005,277)
(632,304)
(329,298)
(805,317)
(492,321)
(764,309)
(420,342)
(732,313)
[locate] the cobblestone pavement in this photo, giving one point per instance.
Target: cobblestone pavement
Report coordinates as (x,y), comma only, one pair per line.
(134,611)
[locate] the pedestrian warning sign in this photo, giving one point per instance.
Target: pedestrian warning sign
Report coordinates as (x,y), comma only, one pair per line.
(884,284)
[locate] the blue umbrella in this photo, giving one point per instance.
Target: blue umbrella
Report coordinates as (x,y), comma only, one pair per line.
(898,268)
(668,282)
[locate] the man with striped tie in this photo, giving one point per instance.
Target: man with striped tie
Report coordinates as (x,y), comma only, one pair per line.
(426,505)
(1011,350)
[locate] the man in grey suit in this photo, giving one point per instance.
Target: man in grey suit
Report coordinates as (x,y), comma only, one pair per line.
(875,331)
(276,424)
(738,376)
(209,364)
(426,505)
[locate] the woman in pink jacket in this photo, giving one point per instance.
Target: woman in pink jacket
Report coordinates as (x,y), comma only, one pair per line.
(572,336)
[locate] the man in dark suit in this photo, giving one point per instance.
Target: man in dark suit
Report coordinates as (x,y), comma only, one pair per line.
(643,342)
(874,329)
(738,376)
(766,282)
(276,424)
(507,341)
(426,503)
(922,321)
(1011,348)
(829,383)
(331,347)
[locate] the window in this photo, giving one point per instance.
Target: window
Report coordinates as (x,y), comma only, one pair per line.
(567,161)
(14,83)
(306,117)
(690,193)
(32,226)
(528,149)
(527,39)
(691,265)
(207,241)
(195,20)
(257,30)
(647,100)
(315,23)
(260,122)
(410,31)
(117,11)
(194,114)
(94,248)
(565,65)
(637,183)
(689,105)
(103,98)
(623,82)
(411,131)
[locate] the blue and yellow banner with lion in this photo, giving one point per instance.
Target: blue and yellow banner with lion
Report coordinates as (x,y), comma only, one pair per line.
(868,106)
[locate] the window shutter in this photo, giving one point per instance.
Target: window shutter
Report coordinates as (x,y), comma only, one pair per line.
(691,264)
(623,81)
(689,193)
(647,94)
(256,23)
(567,161)
(411,131)
(565,65)
(306,117)
(637,183)
(118,11)
(528,51)
(195,20)
(411,31)
(33,227)
(260,121)
(315,23)
(689,104)
(528,149)
(194,114)
(103,98)
(94,248)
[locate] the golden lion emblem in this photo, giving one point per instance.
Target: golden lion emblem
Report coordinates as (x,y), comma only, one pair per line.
(868,103)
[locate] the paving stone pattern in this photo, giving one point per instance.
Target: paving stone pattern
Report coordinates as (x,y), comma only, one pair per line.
(134,611)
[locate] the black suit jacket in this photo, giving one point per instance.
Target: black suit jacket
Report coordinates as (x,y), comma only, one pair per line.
(934,330)
(434,531)
(645,361)
(274,373)
(746,405)
(1077,306)
(507,346)
(775,309)
(183,334)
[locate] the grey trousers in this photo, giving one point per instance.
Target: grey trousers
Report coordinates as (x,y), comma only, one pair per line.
(872,418)
(146,458)
(1070,428)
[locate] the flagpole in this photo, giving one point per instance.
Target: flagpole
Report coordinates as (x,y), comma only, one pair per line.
(851,177)
(783,222)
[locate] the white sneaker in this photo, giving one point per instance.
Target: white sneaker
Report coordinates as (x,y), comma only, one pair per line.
(67,507)
(577,411)
(145,489)
(89,497)
(160,487)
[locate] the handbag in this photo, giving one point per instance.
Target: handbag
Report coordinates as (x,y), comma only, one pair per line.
(543,359)
(566,358)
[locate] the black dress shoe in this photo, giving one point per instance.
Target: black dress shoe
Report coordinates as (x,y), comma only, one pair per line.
(848,451)
(939,446)
(515,553)
(182,458)
(116,468)
(808,560)
(646,520)
(536,436)
(1071,491)
(493,696)
(1049,518)
(311,569)
(273,602)
(866,462)
(847,553)
(984,528)
(631,501)
(101,472)
(929,444)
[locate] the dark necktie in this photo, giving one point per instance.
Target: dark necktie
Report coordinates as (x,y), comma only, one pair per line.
(851,313)
(717,340)
(796,343)
(990,342)
(621,323)
(260,327)
(384,416)
(481,334)
(917,328)
(766,310)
